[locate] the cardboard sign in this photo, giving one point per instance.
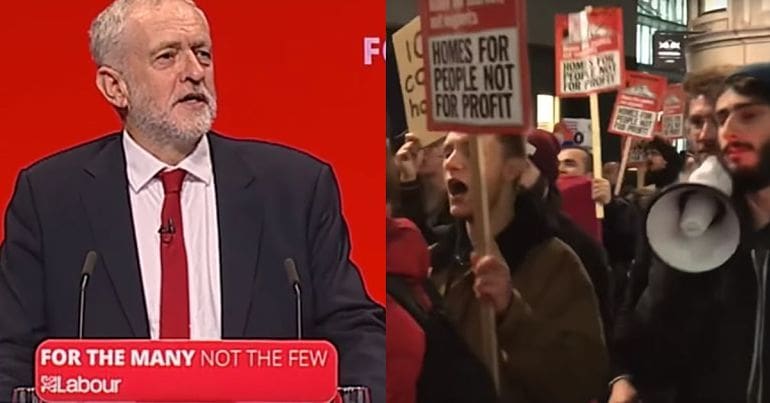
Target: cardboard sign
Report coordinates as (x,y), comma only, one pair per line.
(638,154)
(578,205)
(574,131)
(407,43)
(674,104)
(589,52)
(638,105)
(477,69)
(186,371)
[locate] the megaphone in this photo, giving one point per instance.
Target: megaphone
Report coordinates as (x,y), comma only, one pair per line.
(693,226)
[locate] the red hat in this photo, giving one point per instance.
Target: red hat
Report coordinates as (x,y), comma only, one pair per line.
(545,155)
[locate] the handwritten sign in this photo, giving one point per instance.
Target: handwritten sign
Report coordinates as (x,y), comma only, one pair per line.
(407,43)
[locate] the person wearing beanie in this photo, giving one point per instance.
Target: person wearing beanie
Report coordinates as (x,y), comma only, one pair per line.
(663,163)
(704,336)
(539,180)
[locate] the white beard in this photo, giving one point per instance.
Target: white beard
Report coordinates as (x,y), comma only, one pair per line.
(149,118)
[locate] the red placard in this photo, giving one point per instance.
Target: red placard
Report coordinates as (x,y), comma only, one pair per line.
(477,70)
(638,105)
(578,204)
(674,104)
(589,52)
(144,370)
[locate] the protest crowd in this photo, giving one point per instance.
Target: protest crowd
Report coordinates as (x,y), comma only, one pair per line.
(660,297)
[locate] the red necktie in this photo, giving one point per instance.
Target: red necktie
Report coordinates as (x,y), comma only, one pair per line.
(174,293)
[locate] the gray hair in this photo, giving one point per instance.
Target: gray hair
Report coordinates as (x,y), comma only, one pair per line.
(109,24)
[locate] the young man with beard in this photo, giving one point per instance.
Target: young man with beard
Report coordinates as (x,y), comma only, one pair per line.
(702,89)
(705,333)
(548,326)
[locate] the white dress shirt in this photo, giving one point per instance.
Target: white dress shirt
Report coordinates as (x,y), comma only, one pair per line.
(201,234)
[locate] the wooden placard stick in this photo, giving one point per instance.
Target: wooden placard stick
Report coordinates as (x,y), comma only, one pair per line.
(596,144)
(627,143)
(483,245)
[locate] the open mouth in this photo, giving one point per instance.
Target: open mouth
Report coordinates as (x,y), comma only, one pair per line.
(456,187)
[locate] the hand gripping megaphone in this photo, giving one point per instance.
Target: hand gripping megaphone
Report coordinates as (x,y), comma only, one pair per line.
(693,226)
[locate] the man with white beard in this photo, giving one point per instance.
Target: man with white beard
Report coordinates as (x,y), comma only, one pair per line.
(191,228)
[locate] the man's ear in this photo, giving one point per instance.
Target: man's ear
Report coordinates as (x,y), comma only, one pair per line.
(112,86)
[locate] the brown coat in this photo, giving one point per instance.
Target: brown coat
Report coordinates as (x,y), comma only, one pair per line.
(552,348)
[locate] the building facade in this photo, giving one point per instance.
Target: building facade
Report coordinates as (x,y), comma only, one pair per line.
(737,31)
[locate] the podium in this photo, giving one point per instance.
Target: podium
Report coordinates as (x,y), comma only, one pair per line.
(188,371)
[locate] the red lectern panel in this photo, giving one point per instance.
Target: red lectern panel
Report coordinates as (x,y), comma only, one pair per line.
(188,371)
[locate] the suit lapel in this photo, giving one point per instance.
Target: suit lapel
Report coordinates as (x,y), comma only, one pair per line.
(108,207)
(240,230)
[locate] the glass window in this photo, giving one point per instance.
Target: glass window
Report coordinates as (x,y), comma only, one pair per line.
(706,6)
(654,15)
(644,43)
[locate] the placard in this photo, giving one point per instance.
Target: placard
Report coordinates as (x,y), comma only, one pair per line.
(638,105)
(674,105)
(589,52)
(407,43)
(477,69)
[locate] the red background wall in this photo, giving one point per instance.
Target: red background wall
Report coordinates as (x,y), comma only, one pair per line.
(286,71)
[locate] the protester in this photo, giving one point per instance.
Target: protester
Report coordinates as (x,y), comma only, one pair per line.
(423,196)
(406,256)
(538,182)
(549,330)
(709,328)
(621,223)
(702,88)
(663,163)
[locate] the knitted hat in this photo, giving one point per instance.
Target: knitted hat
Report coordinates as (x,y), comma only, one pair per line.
(545,155)
(758,71)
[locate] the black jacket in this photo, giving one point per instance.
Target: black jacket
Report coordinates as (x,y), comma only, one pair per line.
(272,201)
(411,207)
(694,334)
(546,216)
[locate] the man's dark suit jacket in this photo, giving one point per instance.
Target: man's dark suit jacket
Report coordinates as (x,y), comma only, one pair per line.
(273,203)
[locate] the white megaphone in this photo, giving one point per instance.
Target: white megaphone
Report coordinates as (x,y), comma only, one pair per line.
(693,226)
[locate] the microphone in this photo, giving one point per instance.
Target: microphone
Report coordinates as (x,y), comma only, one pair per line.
(291,273)
(85,275)
(167,231)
